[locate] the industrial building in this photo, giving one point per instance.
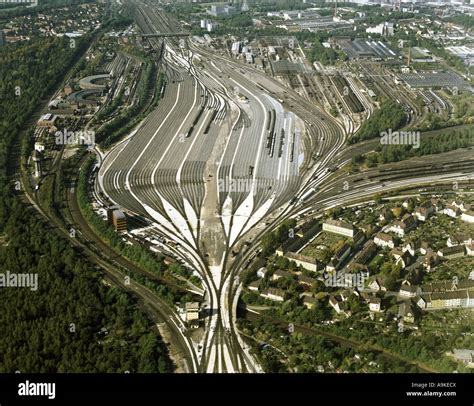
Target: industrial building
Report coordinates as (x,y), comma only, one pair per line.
(426,80)
(385,28)
(359,48)
(47,120)
(192,314)
(110,211)
(222,11)
(119,220)
(464,52)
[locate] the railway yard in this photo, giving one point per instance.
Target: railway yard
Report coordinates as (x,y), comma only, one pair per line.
(215,150)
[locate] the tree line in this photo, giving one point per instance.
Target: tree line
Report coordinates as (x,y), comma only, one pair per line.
(447,141)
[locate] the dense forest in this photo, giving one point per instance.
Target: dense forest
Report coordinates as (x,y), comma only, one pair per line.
(73,322)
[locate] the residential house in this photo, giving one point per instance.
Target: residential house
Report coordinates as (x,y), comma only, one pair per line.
(424,211)
(397,228)
(338,258)
(374,285)
(369,229)
(446,300)
(375,304)
(305,280)
(365,297)
(377,284)
(452,252)
(430,260)
(355,279)
(396,253)
(366,253)
(407,312)
(306,262)
(446,285)
(462,284)
(404,260)
(343,252)
(384,240)
(404,226)
(308,230)
(292,244)
(262,272)
(385,215)
(309,302)
(460,205)
(446,294)
(358,238)
(331,266)
(452,211)
(411,247)
(274,294)
(408,290)
(280,251)
(339,227)
(253,286)
(470,249)
(335,302)
(421,301)
(437,204)
(424,247)
(458,239)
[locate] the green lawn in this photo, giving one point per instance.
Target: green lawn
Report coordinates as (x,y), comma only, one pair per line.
(460,267)
(324,239)
(438,228)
